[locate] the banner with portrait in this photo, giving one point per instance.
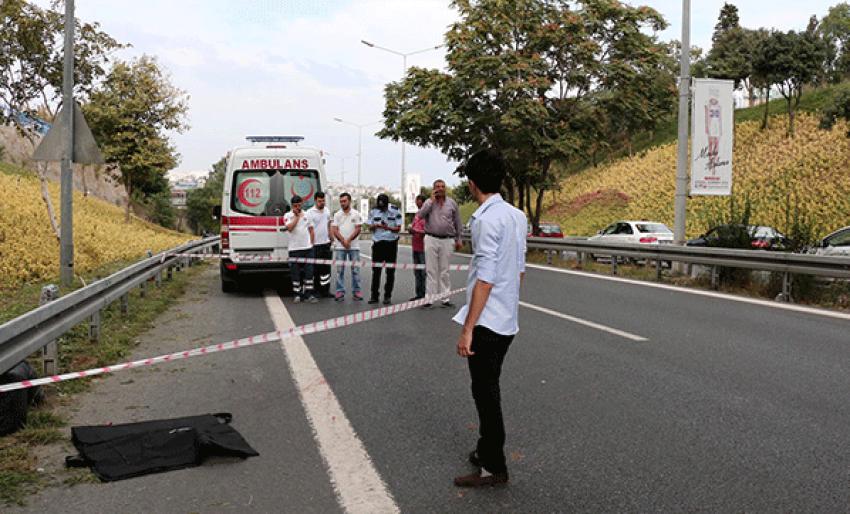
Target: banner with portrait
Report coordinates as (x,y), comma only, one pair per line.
(712,137)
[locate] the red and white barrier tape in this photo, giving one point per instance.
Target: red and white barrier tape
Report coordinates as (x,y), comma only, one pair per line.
(309,328)
(330,262)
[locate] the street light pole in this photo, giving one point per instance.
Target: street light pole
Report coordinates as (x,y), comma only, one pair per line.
(681,201)
(404,57)
(360,127)
(66,179)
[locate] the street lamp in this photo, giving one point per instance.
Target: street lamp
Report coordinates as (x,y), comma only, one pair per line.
(360,127)
(681,200)
(404,57)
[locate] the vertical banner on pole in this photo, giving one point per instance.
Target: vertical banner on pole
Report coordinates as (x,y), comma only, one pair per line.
(364,207)
(412,187)
(713,137)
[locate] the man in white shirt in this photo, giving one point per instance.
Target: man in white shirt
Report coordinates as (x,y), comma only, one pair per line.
(345,229)
(490,317)
(320,217)
(301,237)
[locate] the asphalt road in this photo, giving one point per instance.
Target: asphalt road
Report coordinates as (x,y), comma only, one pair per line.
(618,397)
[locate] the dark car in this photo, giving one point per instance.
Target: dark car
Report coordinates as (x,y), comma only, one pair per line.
(547,229)
(756,237)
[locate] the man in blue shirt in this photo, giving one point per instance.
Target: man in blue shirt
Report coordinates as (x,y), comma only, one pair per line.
(385,221)
(490,316)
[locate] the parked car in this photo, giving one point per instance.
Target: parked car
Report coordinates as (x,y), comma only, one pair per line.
(645,232)
(547,229)
(758,237)
(837,243)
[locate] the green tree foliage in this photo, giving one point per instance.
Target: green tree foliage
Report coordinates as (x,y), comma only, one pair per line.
(838,109)
(728,20)
(200,202)
(537,80)
(31,58)
(130,113)
(789,61)
(834,28)
(461,192)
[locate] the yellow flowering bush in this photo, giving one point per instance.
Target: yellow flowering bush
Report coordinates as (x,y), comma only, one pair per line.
(29,251)
(811,171)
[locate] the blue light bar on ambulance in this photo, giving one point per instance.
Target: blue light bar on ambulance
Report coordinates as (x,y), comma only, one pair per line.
(275,139)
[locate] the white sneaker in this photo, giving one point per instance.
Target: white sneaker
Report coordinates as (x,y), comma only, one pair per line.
(297,299)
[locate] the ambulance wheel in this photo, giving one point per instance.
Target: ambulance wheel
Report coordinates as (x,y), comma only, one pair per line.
(229,286)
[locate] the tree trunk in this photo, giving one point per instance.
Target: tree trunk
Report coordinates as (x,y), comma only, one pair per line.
(538,207)
(41,170)
(85,185)
(521,190)
(509,187)
(751,96)
(791,114)
(764,122)
(528,205)
(129,201)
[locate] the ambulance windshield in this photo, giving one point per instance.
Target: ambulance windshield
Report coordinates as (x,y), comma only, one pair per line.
(268,192)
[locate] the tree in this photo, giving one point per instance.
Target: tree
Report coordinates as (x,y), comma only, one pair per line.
(728,20)
(31,57)
(834,28)
(838,109)
(536,80)
(765,73)
(129,114)
(200,202)
(461,192)
(790,60)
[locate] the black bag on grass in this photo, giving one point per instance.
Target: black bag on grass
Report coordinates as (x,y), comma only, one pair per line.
(124,451)
(14,404)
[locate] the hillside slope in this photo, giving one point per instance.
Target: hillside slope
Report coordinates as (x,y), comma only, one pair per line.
(29,252)
(812,171)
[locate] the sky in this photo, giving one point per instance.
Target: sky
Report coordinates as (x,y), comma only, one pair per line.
(292,66)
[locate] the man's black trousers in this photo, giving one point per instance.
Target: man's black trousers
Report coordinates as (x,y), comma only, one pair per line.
(322,272)
(485,367)
(383,251)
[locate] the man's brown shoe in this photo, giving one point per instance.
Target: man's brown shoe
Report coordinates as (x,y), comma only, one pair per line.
(476,480)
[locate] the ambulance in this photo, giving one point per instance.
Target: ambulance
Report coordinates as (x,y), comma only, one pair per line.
(260,179)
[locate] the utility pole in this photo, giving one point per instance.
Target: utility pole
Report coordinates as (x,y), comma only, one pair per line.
(404,57)
(682,168)
(66,235)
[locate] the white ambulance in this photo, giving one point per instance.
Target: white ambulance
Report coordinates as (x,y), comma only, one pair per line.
(259,182)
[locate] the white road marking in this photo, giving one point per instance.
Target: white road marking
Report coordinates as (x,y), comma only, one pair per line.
(358,486)
(698,292)
(580,321)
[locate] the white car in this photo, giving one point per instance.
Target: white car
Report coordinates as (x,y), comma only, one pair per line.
(835,244)
(635,232)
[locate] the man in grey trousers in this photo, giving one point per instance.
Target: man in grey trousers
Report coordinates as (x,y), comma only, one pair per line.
(442,232)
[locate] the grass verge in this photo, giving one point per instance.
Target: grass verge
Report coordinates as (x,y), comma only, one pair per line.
(20,473)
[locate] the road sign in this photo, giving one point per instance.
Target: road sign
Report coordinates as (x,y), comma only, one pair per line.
(713,130)
(52,146)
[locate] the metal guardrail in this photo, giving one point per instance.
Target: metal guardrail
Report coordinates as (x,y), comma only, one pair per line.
(38,328)
(788,264)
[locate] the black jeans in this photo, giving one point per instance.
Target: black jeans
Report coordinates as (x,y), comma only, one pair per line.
(383,251)
(485,367)
(420,274)
(302,274)
(322,272)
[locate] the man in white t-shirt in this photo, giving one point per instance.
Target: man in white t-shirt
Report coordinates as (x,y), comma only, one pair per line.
(345,229)
(320,217)
(301,238)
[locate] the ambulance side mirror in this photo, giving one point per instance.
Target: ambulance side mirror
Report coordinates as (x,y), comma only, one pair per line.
(216,212)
